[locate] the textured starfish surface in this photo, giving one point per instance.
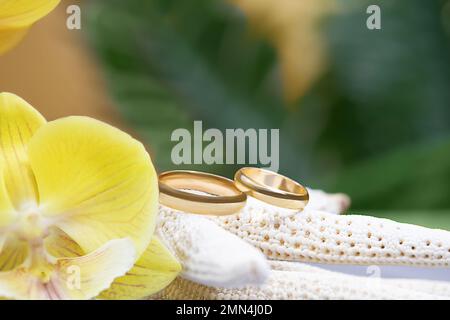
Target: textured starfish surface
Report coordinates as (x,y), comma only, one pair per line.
(209,254)
(336,203)
(290,280)
(212,256)
(318,236)
(225,257)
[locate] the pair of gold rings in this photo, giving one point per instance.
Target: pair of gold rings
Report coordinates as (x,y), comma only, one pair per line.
(205,193)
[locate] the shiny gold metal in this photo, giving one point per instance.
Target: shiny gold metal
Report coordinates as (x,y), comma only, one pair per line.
(272,188)
(221,195)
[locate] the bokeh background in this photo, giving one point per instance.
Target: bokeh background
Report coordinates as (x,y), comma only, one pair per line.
(359,111)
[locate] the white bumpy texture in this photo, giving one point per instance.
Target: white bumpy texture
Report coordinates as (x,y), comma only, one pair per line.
(219,265)
(435,288)
(298,285)
(431,287)
(336,203)
(209,254)
(317,236)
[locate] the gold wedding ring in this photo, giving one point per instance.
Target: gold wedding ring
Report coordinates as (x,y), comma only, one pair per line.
(219,195)
(272,188)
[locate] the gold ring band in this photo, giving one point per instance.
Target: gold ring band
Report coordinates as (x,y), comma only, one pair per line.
(221,195)
(272,188)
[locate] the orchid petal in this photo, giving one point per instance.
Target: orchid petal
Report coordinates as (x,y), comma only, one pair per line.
(154,270)
(16,17)
(58,244)
(7,212)
(72,278)
(18,123)
(19,13)
(13,253)
(95,182)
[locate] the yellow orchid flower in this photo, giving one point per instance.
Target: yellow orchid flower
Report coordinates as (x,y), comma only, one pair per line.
(17,16)
(78,202)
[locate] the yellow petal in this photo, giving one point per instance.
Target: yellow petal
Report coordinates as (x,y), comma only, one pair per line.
(7,212)
(154,270)
(10,37)
(95,181)
(60,245)
(13,253)
(18,123)
(98,269)
(20,13)
(16,17)
(72,278)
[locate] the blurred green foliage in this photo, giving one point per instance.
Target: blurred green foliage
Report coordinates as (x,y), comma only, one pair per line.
(376,125)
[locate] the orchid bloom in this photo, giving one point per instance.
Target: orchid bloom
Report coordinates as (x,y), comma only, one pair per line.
(78,202)
(17,16)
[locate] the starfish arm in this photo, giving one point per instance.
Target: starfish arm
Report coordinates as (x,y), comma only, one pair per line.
(297,285)
(438,288)
(330,202)
(317,236)
(210,255)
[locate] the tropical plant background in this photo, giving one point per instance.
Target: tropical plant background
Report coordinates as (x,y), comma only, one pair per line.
(359,111)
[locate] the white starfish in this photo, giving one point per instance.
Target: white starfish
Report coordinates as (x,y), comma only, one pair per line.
(336,203)
(209,254)
(318,236)
(218,264)
(306,282)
